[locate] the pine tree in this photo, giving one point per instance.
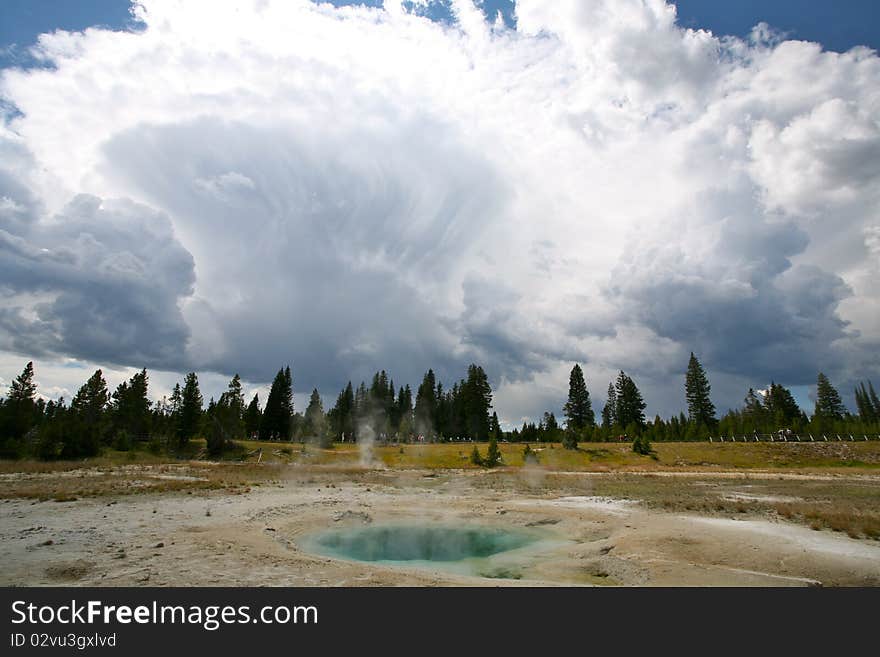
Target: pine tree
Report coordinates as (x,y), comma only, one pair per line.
(277,420)
(781,406)
(287,410)
(190,410)
(495,427)
(20,412)
(23,388)
(701,410)
(863,404)
(252,417)
(426,404)
(225,418)
(875,402)
(578,409)
(131,409)
(754,411)
(404,412)
(493,454)
(314,418)
(176,399)
(630,405)
(476,395)
(609,411)
(234,398)
(641,445)
(829,406)
(88,412)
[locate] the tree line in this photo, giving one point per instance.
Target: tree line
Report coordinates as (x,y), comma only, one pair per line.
(763,412)
(95,418)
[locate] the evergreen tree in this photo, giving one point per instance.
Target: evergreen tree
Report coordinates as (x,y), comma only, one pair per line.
(781,406)
(224,420)
(495,427)
(404,411)
(277,420)
(863,404)
(426,404)
(233,398)
(701,410)
(493,454)
(578,409)
(314,418)
(550,427)
(609,411)
(630,409)
(476,394)
(875,402)
(20,413)
(131,409)
(287,410)
(753,412)
(88,410)
(570,438)
(252,417)
(23,388)
(641,445)
(829,406)
(190,409)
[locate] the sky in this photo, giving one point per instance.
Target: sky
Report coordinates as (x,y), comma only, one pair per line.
(234,186)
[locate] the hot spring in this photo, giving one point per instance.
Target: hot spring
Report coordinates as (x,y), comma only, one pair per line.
(467,550)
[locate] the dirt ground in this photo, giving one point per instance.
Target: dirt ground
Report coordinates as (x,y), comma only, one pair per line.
(256,535)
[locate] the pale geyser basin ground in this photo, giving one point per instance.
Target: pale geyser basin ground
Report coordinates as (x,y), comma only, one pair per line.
(264,535)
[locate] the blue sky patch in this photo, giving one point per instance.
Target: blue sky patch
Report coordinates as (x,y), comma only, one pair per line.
(837,26)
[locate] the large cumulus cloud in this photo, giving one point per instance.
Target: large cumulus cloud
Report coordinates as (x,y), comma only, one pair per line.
(360,187)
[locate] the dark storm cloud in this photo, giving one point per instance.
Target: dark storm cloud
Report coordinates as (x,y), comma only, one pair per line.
(333,251)
(737,300)
(99,281)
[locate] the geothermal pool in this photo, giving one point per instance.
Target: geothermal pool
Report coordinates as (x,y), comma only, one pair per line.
(466,550)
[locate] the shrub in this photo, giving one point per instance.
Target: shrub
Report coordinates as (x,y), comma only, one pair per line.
(493,455)
(476,459)
(122,441)
(641,445)
(529,455)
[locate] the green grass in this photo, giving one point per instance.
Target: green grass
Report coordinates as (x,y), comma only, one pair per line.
(594,457)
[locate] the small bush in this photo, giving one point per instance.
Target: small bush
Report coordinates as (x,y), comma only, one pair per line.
(122,442)
(493,455)
(570,439)
(641,445)
(530,456)
(155,446)
(476,459)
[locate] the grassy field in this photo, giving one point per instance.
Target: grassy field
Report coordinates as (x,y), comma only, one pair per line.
(596,457)
(835,485)
(589,457)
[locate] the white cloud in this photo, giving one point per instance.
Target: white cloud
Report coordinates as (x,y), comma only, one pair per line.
(363,188)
